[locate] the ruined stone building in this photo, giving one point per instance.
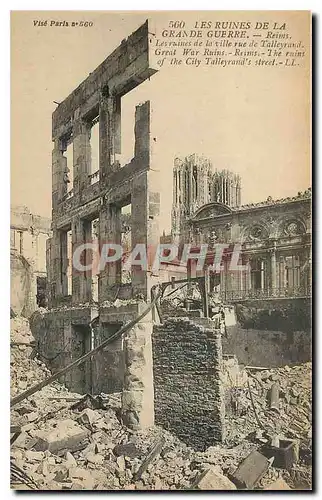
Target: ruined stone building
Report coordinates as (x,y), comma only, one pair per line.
(28,235)
(82,199)
(270,296)
(167,371)
(99,206)
(120,203)
(274,235)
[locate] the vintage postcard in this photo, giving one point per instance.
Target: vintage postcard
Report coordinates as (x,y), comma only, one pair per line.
(161,250)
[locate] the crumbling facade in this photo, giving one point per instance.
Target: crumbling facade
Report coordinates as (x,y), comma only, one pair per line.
(28,235)
(87,307)
(86,207)
(102,194)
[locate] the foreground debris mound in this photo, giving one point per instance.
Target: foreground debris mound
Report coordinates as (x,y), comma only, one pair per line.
(291,413)
(67,441)
(213,479)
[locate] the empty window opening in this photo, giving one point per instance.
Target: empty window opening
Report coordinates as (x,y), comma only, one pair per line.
(210,194)
(194,184)
(69,270)
(175,188)
(41,291)
(126,240)
(94,143)
(125,115)
(110,373)
(95,272)
(68,153)
(66,262)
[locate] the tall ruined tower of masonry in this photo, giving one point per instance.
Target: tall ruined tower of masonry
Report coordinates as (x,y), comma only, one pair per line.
(191,184)
(195,184)
(226,188)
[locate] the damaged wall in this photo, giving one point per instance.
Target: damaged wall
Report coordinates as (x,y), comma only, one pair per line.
(188,390)
(62,336)
(108,365)
(286,315)
(81,197)
(23,286)
(267,348)
(28,235)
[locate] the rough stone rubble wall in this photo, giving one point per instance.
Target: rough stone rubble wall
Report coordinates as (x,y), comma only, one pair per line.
(188,386)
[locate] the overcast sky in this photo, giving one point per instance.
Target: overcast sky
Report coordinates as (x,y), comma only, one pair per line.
(253,121)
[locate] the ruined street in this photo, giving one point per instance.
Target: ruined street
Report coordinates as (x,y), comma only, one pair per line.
(149,358)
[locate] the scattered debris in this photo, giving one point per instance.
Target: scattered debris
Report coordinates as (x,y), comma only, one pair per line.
(279,484)
(155,450)
(19,477)
(85,446)
(213,479)
(290,422)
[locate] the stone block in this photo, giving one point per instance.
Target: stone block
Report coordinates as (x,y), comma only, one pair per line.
(127,449)
(21,441)
(88,417)
(32,416)
(70,460)
(250,470)
(213,479)
(82,477)
(94,458)
(67,436)
(279,484)
(34,456)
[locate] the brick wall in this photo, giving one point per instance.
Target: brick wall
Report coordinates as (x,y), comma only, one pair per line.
(188,390)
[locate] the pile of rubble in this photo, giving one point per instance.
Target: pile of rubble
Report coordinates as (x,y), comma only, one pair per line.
(25,369)
(66,441)
(291,413)
(274,405)
(74,448)
(70,447)
(62,440)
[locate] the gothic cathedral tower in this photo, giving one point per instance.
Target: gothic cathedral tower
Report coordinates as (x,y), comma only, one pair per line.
(195,184)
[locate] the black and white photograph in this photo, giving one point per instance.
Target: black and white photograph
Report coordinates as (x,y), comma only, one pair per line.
(160,250)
